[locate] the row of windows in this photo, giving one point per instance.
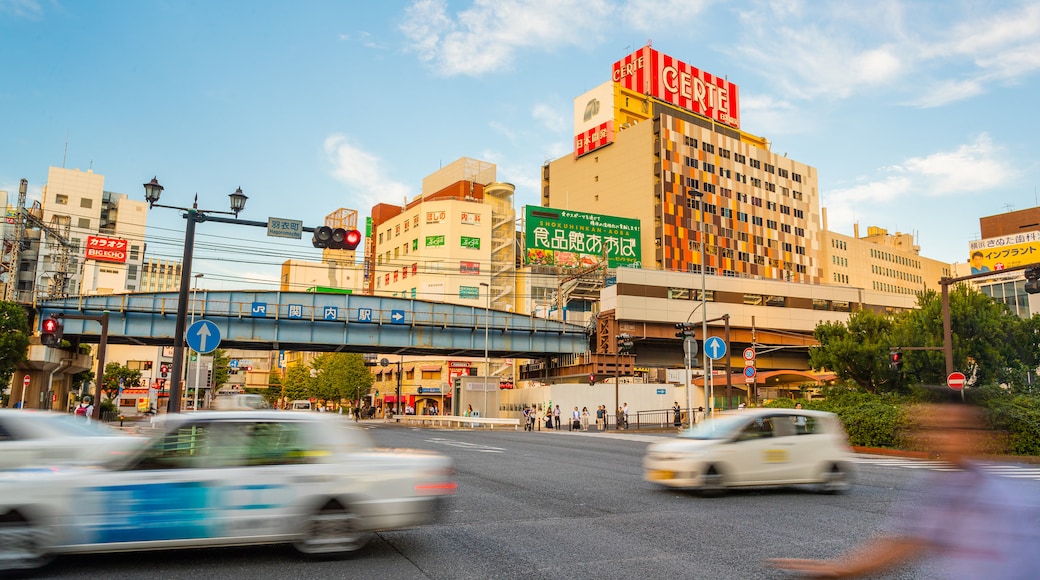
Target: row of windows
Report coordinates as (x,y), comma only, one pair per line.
(892,288)
(757,299)
(892,273)
(841,278)
(840,261)
(895,258)
(695,203)
(839,244)
(725,153)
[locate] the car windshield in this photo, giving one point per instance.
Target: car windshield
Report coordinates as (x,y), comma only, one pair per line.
(719,428)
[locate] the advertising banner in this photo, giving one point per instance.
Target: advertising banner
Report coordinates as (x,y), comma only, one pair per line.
(106,249)
(673,81)
(992,254)
(570,239)
(593,139)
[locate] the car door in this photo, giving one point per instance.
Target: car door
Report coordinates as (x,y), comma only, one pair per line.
(749,453)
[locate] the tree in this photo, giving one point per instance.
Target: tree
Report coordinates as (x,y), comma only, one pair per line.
(14,339)
(116,373)
(341,376)
(991,345)
(297,382)
(857,351)
(219,377)
(274,391)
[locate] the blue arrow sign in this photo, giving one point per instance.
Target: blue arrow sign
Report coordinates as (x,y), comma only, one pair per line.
(715,348)
(397,316)
(203,336)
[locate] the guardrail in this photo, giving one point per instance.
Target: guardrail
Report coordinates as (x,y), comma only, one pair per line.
(456,421)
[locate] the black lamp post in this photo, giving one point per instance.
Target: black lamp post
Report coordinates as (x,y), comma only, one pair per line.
(193,215)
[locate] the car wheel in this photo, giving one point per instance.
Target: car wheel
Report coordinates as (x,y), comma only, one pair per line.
(331,530)
(24,544)
(713,483)
(836,479)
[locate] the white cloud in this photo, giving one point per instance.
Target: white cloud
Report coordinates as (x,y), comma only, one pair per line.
(551,118)
(363,173)
(653,15)
(30,9)
(838,50)
(972,168)
(485,37)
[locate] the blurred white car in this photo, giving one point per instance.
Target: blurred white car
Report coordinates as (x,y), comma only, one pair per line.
(46,438)
(752,448)
(240,402)
(225,478)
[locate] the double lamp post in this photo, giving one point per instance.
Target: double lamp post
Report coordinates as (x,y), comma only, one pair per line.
(193,215)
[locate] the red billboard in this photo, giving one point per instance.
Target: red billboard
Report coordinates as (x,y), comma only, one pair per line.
(660,76)
(106,249)
(594,138)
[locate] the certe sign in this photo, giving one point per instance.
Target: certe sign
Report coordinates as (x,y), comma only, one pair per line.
(660,76)
(106,249)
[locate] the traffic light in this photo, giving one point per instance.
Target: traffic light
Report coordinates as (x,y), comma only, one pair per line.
(895,360)
(624,343)
(336,239)
(51,331)
(1033,280)
(686,330)
(164,370)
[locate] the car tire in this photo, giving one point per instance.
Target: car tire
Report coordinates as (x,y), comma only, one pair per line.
(836,479)
(24,543)
(331,530)
(713,482)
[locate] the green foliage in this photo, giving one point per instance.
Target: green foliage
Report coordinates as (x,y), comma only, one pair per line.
(871,420)
(113,373)
(219,377)
(341,376)
(1015,416)
(857,351)
(14,339)
(297,382)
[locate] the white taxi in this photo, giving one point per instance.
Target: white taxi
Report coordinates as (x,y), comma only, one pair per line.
(756,447)
(224,478)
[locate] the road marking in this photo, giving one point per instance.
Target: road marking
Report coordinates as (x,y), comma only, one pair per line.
(479,447)
(1001,470)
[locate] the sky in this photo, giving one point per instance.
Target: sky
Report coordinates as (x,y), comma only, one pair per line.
(919,116)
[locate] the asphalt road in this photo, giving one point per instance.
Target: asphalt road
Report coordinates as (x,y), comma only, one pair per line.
(563,505)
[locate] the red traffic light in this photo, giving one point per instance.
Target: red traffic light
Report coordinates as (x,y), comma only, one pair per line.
(50,325)
(51,331)
(336,239)
(352,240)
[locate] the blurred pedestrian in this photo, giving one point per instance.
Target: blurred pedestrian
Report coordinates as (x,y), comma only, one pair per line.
(969,523)
(624,411)
(677,412)
(584,418)
(620,419)
(601,417)
(556,417)
(575,419)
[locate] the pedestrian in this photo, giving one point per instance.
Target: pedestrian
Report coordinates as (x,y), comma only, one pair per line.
(584,418)
(677,412)
(85,409)
(556,417)
(620,419)
(357,413)
(548,418)
(624,409)
(969,523)
(575,419)
(601,417)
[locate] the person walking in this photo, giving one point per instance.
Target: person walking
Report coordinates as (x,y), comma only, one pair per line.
(575,419)
(624,409)
(967,522)
(584,418)
(556,417)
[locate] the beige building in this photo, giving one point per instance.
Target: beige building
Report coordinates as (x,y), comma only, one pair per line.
(303,276)
(880,262)
(160,276)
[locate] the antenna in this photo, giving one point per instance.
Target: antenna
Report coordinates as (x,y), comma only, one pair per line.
(65,153)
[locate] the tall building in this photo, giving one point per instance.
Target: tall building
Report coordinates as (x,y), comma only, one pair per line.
(455,242)
(104,239)
(160,276)
(662,143)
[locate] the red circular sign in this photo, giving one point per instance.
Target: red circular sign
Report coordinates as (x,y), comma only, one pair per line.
(25,381)
(955,381)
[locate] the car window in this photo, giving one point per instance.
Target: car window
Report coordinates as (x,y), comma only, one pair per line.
(760,428)
(181,448)
(805,425)
(229,444)
(722,427)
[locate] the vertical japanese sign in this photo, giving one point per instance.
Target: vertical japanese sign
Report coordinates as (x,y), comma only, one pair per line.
(571,239)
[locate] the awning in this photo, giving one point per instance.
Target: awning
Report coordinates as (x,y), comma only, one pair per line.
(410,399)
(431,367)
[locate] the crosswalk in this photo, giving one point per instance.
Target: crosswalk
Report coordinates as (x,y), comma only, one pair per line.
(1012,470)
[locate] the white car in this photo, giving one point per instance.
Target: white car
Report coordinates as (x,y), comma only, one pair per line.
(225,478)
(757,447)
(45,438)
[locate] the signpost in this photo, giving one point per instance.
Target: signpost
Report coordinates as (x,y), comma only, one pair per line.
(956,380)
(203,337)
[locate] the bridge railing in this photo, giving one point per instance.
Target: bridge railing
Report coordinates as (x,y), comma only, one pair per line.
(456,421)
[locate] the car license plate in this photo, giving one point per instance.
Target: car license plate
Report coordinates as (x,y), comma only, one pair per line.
(659,474)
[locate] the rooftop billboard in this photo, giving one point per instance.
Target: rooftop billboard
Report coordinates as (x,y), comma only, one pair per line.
(571,239)
(673,81)
(993,254)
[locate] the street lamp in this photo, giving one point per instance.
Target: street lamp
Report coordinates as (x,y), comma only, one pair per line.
(193,215)
(487,362)
(198,358)
(704,302)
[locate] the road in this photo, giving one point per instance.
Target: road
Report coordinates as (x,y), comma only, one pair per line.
(565,505)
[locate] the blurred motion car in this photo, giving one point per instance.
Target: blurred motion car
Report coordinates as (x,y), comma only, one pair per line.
(225,478)
(240,402)
(47,438)
(756,447)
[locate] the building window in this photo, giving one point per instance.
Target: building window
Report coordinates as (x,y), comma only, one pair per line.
(770,168)
(131,272)
(799,214)
(83,223)
(61,199)
(135,252)
(796,177)
(86,202)
(756,164)
(708,147)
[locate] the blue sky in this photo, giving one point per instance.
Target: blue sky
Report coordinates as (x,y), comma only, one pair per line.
(920,116)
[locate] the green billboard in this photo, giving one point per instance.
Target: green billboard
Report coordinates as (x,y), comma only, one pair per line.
(573,239)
